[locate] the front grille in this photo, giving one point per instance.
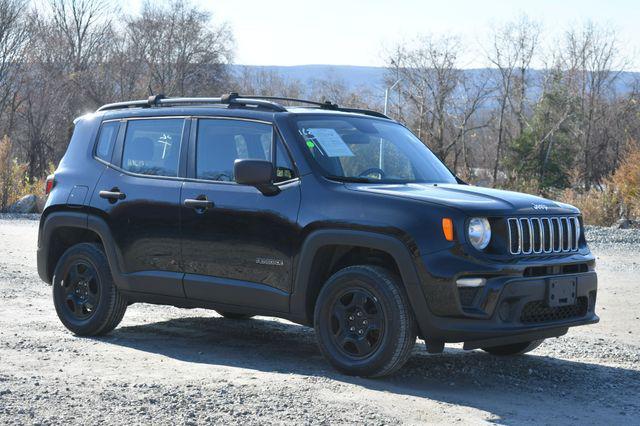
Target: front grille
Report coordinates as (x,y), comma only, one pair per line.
(535,235)
(537,312)
(539,271)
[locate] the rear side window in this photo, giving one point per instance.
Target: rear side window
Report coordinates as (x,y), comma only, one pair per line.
(106,140)
(152,147)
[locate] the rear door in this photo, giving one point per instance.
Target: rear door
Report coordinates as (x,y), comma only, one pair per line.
(139,192)
(237,246)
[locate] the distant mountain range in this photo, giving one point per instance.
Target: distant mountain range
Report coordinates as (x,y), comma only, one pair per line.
(372,78)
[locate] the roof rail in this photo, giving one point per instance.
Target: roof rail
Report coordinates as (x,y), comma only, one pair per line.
(161,100)
(365,112)
(234,98)
(324,105)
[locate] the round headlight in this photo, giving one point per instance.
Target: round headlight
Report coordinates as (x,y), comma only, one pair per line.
(479,232)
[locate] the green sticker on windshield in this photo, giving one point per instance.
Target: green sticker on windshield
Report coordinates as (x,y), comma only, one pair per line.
(310,144)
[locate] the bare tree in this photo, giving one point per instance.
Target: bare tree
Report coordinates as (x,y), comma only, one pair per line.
(83,28)
(467,119)
(430,76)
(181,52)
(13,40)
(46,95)
(592,61)
(333,89)
(259,81)
(441,101)
(77,35)
(512,51)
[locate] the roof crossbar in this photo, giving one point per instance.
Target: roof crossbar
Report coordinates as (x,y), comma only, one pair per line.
(233,99)
(324,105)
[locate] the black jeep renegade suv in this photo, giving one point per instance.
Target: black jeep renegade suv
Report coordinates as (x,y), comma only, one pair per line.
(336,218)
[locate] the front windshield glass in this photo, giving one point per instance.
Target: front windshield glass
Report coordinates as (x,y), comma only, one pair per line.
(366,150)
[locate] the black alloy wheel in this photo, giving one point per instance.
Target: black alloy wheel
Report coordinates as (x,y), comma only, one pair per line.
(85,296)
(357,323)
(80,290)
(363,321)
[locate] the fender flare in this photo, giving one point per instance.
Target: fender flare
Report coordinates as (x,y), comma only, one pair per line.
(80,220)
(391,245)
(52,222)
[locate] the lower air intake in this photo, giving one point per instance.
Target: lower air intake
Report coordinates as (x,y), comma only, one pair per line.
(537,312)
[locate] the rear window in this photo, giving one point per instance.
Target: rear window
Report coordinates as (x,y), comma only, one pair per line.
(106,140)
(152,147)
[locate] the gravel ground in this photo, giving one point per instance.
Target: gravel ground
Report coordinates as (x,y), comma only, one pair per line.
(621,238)
(165,365)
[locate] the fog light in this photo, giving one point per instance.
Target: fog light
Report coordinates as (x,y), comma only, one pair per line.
(471,282)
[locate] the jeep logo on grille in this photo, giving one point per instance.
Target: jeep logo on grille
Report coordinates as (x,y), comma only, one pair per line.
(540,207)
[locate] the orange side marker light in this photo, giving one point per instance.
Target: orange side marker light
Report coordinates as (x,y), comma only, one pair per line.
(447,228)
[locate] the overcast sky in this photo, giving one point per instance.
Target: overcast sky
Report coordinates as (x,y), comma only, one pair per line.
(356,32)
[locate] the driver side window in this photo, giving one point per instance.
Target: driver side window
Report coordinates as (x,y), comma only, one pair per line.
(220,142)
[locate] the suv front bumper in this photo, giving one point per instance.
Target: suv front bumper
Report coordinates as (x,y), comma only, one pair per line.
(509,308)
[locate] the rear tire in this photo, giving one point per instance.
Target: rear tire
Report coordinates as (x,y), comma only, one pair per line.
(235,316)
(514,349)
(84,294)
(363,321)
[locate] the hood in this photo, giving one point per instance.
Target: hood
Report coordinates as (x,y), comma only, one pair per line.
(470,199)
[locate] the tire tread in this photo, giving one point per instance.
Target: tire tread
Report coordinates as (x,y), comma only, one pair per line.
(406,337)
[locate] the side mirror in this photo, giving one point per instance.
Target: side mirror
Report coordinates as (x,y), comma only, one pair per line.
(258,173)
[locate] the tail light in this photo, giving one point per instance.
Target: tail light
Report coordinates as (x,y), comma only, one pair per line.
(49,184)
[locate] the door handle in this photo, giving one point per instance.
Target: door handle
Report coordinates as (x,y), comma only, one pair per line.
(199,203)
(113,195)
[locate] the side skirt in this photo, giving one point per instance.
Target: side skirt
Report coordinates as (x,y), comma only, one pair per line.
(181,302)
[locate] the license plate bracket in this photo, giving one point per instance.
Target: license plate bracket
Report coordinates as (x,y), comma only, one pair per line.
(561,292)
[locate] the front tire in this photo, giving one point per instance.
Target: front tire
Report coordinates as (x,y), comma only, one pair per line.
(514,349)
(363,321)
(84,294)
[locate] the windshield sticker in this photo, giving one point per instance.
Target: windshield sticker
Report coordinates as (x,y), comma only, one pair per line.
(310,144)
(330,142)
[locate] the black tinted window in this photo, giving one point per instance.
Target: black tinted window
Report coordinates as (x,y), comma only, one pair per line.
(152,147)
(221,142)
(106,140)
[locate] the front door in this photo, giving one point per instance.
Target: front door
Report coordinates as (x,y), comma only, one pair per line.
(236,242)
(140,194)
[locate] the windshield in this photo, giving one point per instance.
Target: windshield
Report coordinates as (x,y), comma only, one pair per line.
(365,150)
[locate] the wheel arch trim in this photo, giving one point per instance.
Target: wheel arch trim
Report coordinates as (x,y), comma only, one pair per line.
(80,220)
(328,237)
